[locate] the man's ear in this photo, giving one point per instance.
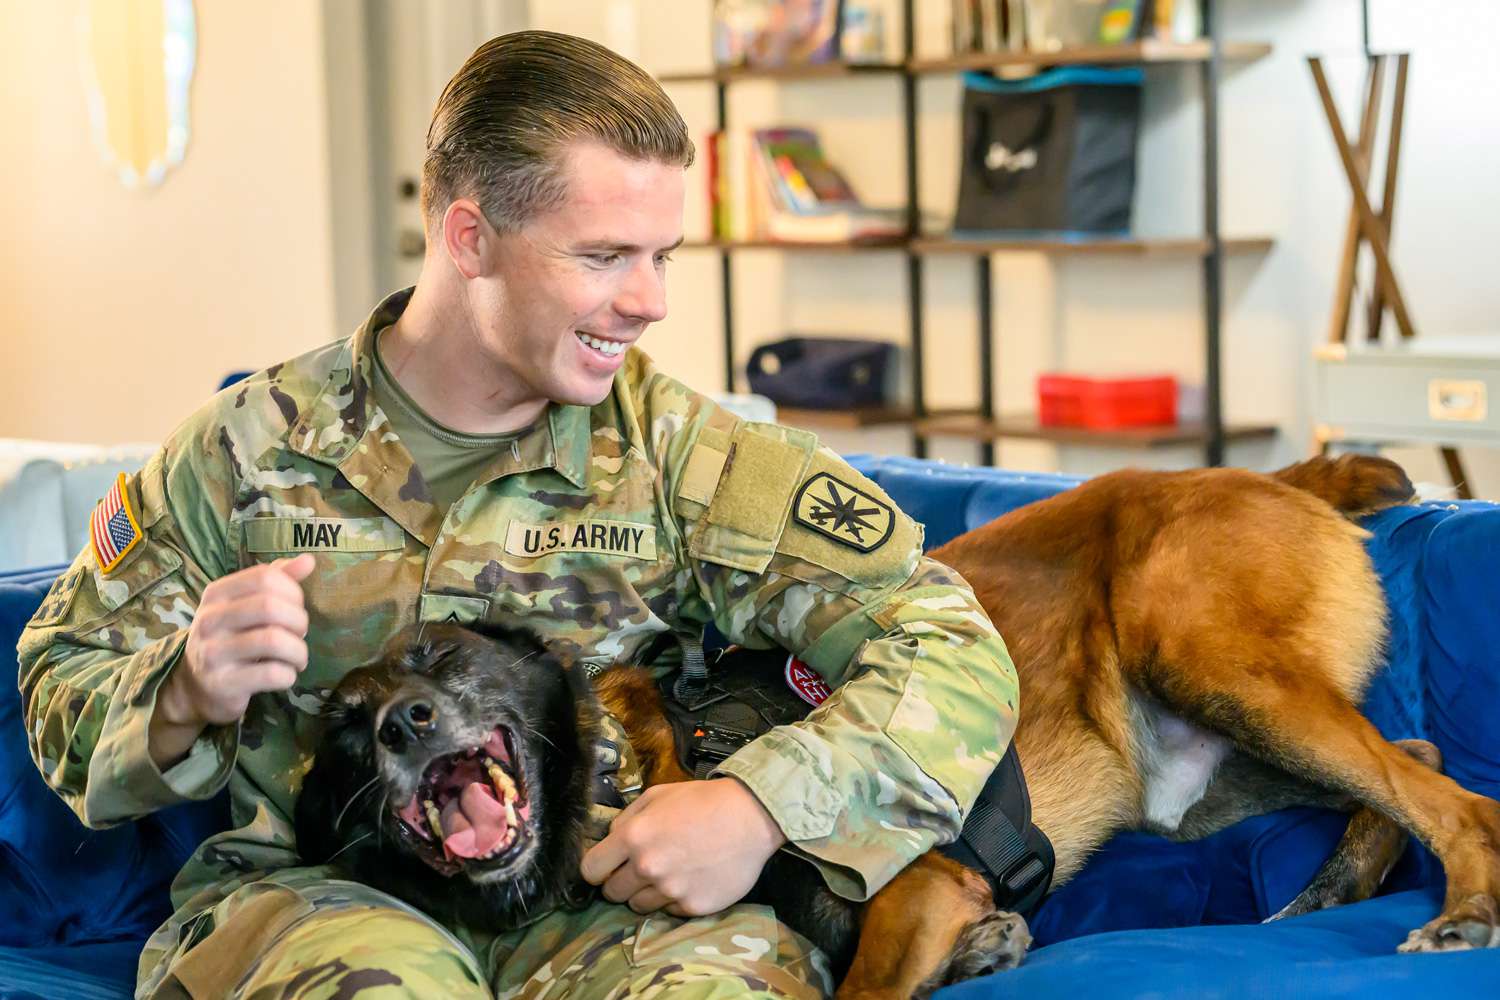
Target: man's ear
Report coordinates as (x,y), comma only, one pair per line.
(468,237)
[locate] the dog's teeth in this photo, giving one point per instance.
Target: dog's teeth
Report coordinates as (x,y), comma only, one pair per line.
(434,818)
(502,781)
(511,819)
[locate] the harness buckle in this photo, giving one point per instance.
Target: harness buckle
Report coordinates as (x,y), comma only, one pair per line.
(1024,878)
(725,728)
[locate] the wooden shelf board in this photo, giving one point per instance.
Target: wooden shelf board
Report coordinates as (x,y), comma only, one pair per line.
(1141,52)
(1175,246)
(881,243)
(863,416)
(1026,426)
(810,71)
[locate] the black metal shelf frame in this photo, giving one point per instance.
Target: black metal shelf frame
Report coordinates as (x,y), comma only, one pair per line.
(1210,76)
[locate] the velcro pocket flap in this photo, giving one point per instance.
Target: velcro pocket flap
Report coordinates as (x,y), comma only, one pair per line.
(749,508)
(147,568)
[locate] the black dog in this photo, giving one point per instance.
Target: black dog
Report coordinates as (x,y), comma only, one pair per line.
(455,773)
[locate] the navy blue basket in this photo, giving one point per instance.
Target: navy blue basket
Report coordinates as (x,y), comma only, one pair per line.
(824,373)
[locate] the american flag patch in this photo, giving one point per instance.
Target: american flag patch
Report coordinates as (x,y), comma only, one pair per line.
(113,529)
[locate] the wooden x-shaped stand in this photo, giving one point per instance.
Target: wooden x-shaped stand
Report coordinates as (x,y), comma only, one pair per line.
(1366,225)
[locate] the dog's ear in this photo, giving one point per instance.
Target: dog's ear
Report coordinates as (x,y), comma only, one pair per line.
(327,817)
(511,637)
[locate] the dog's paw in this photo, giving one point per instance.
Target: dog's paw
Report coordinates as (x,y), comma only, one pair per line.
(1474,923)
(994,942)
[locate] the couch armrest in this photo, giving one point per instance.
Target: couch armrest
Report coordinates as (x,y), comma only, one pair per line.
(47,490)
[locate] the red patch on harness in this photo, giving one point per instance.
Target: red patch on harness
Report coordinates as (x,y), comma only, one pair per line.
(805,682)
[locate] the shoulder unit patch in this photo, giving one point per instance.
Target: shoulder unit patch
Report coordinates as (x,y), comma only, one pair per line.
(842,512)
(805,681)
(113,528)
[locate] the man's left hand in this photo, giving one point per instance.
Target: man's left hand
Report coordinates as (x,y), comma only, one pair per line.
(689,848)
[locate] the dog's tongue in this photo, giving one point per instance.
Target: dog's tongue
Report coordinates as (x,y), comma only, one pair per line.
(474,822)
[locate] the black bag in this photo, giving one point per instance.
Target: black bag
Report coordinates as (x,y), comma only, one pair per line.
(1053,152)
(822,372)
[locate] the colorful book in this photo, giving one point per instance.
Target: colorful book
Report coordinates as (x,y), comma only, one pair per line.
(805,180)
(777,184)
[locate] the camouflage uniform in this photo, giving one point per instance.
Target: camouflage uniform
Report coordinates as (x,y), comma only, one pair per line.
(599,529)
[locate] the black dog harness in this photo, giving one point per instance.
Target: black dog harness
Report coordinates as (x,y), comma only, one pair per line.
(751,691)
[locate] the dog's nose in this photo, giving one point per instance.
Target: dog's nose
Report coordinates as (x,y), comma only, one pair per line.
(408,721)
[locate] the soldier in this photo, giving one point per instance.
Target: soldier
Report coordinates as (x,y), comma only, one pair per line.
(490,447)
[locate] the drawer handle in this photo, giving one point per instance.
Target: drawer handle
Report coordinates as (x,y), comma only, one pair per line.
(1453,399)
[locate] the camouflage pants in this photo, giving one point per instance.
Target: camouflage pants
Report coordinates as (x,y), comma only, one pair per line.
(300,935)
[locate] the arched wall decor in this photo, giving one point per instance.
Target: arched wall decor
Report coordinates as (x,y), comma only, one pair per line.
(138,59)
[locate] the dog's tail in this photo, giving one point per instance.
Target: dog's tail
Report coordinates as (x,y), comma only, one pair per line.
(1354,485)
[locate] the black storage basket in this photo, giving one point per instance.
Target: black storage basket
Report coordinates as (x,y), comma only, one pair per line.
(1052,153)
(825,373)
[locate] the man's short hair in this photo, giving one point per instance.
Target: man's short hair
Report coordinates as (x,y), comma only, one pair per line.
(505,120)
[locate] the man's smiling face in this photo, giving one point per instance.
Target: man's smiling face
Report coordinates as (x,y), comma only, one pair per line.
(579,283)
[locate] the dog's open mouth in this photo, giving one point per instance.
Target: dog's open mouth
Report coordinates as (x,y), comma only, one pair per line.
(470,806)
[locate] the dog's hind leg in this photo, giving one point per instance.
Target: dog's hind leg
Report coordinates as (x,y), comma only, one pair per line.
(1288,714)
(1370,845)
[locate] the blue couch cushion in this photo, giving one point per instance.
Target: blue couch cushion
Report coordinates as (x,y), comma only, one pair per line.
(1240,875)
(948,499)
(78,972)
(72,884)
(1461,603)
(1347,951)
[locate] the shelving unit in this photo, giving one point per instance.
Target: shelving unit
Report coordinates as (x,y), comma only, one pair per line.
(1024,425)
(1144,52)
(843,246)
(981,424)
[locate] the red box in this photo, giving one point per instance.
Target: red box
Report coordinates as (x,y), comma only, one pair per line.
(1106,403)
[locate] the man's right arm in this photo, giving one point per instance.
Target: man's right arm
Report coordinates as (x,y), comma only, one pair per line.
(248,636)
(133,681)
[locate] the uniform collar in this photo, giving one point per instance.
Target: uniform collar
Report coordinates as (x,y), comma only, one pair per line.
(341,427)
(330,428)
(571,433)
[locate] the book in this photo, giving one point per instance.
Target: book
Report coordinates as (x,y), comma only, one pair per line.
(1120,21)
(836,225)
(716,202)
(1173,20)
(804,179)
(991,25)
(776,32)
(961,29)
(777,184)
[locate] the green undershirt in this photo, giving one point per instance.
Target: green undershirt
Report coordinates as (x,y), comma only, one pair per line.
(449,460)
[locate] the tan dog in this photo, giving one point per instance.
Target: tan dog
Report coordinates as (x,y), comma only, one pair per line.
(1191,648)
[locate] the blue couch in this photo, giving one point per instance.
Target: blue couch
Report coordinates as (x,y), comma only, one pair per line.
(1146,918)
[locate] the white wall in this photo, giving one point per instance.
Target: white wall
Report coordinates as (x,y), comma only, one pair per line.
(121,310)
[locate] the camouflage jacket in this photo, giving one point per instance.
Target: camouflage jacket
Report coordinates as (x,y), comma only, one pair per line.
(598,529)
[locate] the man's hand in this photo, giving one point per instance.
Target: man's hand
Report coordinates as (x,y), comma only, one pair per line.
(691,848)
(247,636)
